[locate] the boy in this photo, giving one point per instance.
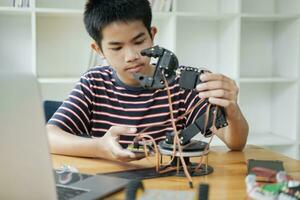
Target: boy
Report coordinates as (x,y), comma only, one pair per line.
(107,107)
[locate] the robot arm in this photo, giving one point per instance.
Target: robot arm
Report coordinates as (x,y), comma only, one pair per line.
(189,78)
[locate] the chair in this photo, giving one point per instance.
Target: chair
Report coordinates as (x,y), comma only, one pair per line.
(50,107)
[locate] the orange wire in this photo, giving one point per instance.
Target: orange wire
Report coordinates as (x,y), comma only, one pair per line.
(208,144)
(176,138)
(155,148)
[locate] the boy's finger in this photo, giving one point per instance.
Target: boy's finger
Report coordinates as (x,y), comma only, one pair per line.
(213,77)
(119,130)
(120,153)
(139,156)
(212,85)
(219,101)
(224,94)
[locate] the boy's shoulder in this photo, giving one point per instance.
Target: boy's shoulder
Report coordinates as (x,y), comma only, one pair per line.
(99,72)
(98,76)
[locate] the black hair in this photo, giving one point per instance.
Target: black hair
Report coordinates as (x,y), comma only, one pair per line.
(100,13)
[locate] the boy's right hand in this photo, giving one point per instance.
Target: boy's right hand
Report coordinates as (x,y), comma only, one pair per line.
(109,148)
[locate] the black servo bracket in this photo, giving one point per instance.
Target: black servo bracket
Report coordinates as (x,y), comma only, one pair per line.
(189,77)
(167,65)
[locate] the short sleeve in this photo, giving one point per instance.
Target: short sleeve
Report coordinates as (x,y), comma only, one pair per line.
(73,115)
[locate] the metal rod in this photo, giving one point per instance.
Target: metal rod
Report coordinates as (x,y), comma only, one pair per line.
(177,168)
(206,162)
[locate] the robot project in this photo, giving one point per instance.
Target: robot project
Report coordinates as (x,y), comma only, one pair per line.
(179,144)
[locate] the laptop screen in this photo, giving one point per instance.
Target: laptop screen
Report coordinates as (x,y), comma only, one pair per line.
(26,168)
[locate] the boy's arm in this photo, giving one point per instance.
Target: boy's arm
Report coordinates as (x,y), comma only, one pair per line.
(223,91)
(235,134)
(107,147)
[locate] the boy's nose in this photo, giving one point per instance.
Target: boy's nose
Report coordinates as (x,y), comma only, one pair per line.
(132,55)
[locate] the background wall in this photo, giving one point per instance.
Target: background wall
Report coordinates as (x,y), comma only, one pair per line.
(255,42)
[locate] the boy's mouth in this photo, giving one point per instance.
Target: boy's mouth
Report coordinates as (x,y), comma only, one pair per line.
(135,69)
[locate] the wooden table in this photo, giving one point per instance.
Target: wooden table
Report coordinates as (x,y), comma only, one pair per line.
(226,182)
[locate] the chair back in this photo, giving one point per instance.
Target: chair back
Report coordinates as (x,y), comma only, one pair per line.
(50,107)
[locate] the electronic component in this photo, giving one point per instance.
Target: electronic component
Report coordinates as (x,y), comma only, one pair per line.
(265,170)
(281,189)
(140,147)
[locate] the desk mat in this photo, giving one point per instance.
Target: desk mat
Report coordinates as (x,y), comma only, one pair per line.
(144,173)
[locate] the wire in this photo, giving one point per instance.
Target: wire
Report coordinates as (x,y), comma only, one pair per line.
(176,138)
(208,144)
(176,141)
(141,136)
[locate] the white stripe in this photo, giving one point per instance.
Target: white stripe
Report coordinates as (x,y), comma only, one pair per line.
(130,142)
(134,95)
(74,113)
(134,103)
(79,108)
(79,99)
(136,118)
(62,123)
(70,120)
(138,109)
(124,124)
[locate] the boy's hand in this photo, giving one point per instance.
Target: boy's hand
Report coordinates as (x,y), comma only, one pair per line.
(110,148)
(220,90)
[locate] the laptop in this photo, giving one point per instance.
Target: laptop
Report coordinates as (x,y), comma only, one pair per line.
(25,163)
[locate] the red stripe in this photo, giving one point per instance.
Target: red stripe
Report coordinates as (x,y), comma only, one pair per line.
(131,102)
(79,108)
(62,123)
(137,109)
(136,118)
(75,114)
(124,124)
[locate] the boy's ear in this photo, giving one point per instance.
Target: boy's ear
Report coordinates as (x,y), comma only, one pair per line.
(96,48)
(153,32)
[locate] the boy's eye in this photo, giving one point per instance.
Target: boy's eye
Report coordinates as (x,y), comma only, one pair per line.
(116,49)
(139,42)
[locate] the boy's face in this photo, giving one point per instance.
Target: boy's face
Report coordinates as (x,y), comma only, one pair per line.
(121,46)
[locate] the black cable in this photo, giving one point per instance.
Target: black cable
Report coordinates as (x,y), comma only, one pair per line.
(132,188)
(203,191)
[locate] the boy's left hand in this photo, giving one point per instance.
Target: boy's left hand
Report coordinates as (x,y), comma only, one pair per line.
(219,89)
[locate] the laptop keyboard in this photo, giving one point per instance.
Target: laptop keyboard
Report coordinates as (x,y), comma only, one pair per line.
(65,193)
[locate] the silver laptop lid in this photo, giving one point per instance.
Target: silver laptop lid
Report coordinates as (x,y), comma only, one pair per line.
(25,163)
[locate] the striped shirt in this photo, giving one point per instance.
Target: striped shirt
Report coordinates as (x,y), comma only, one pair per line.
(101,100)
